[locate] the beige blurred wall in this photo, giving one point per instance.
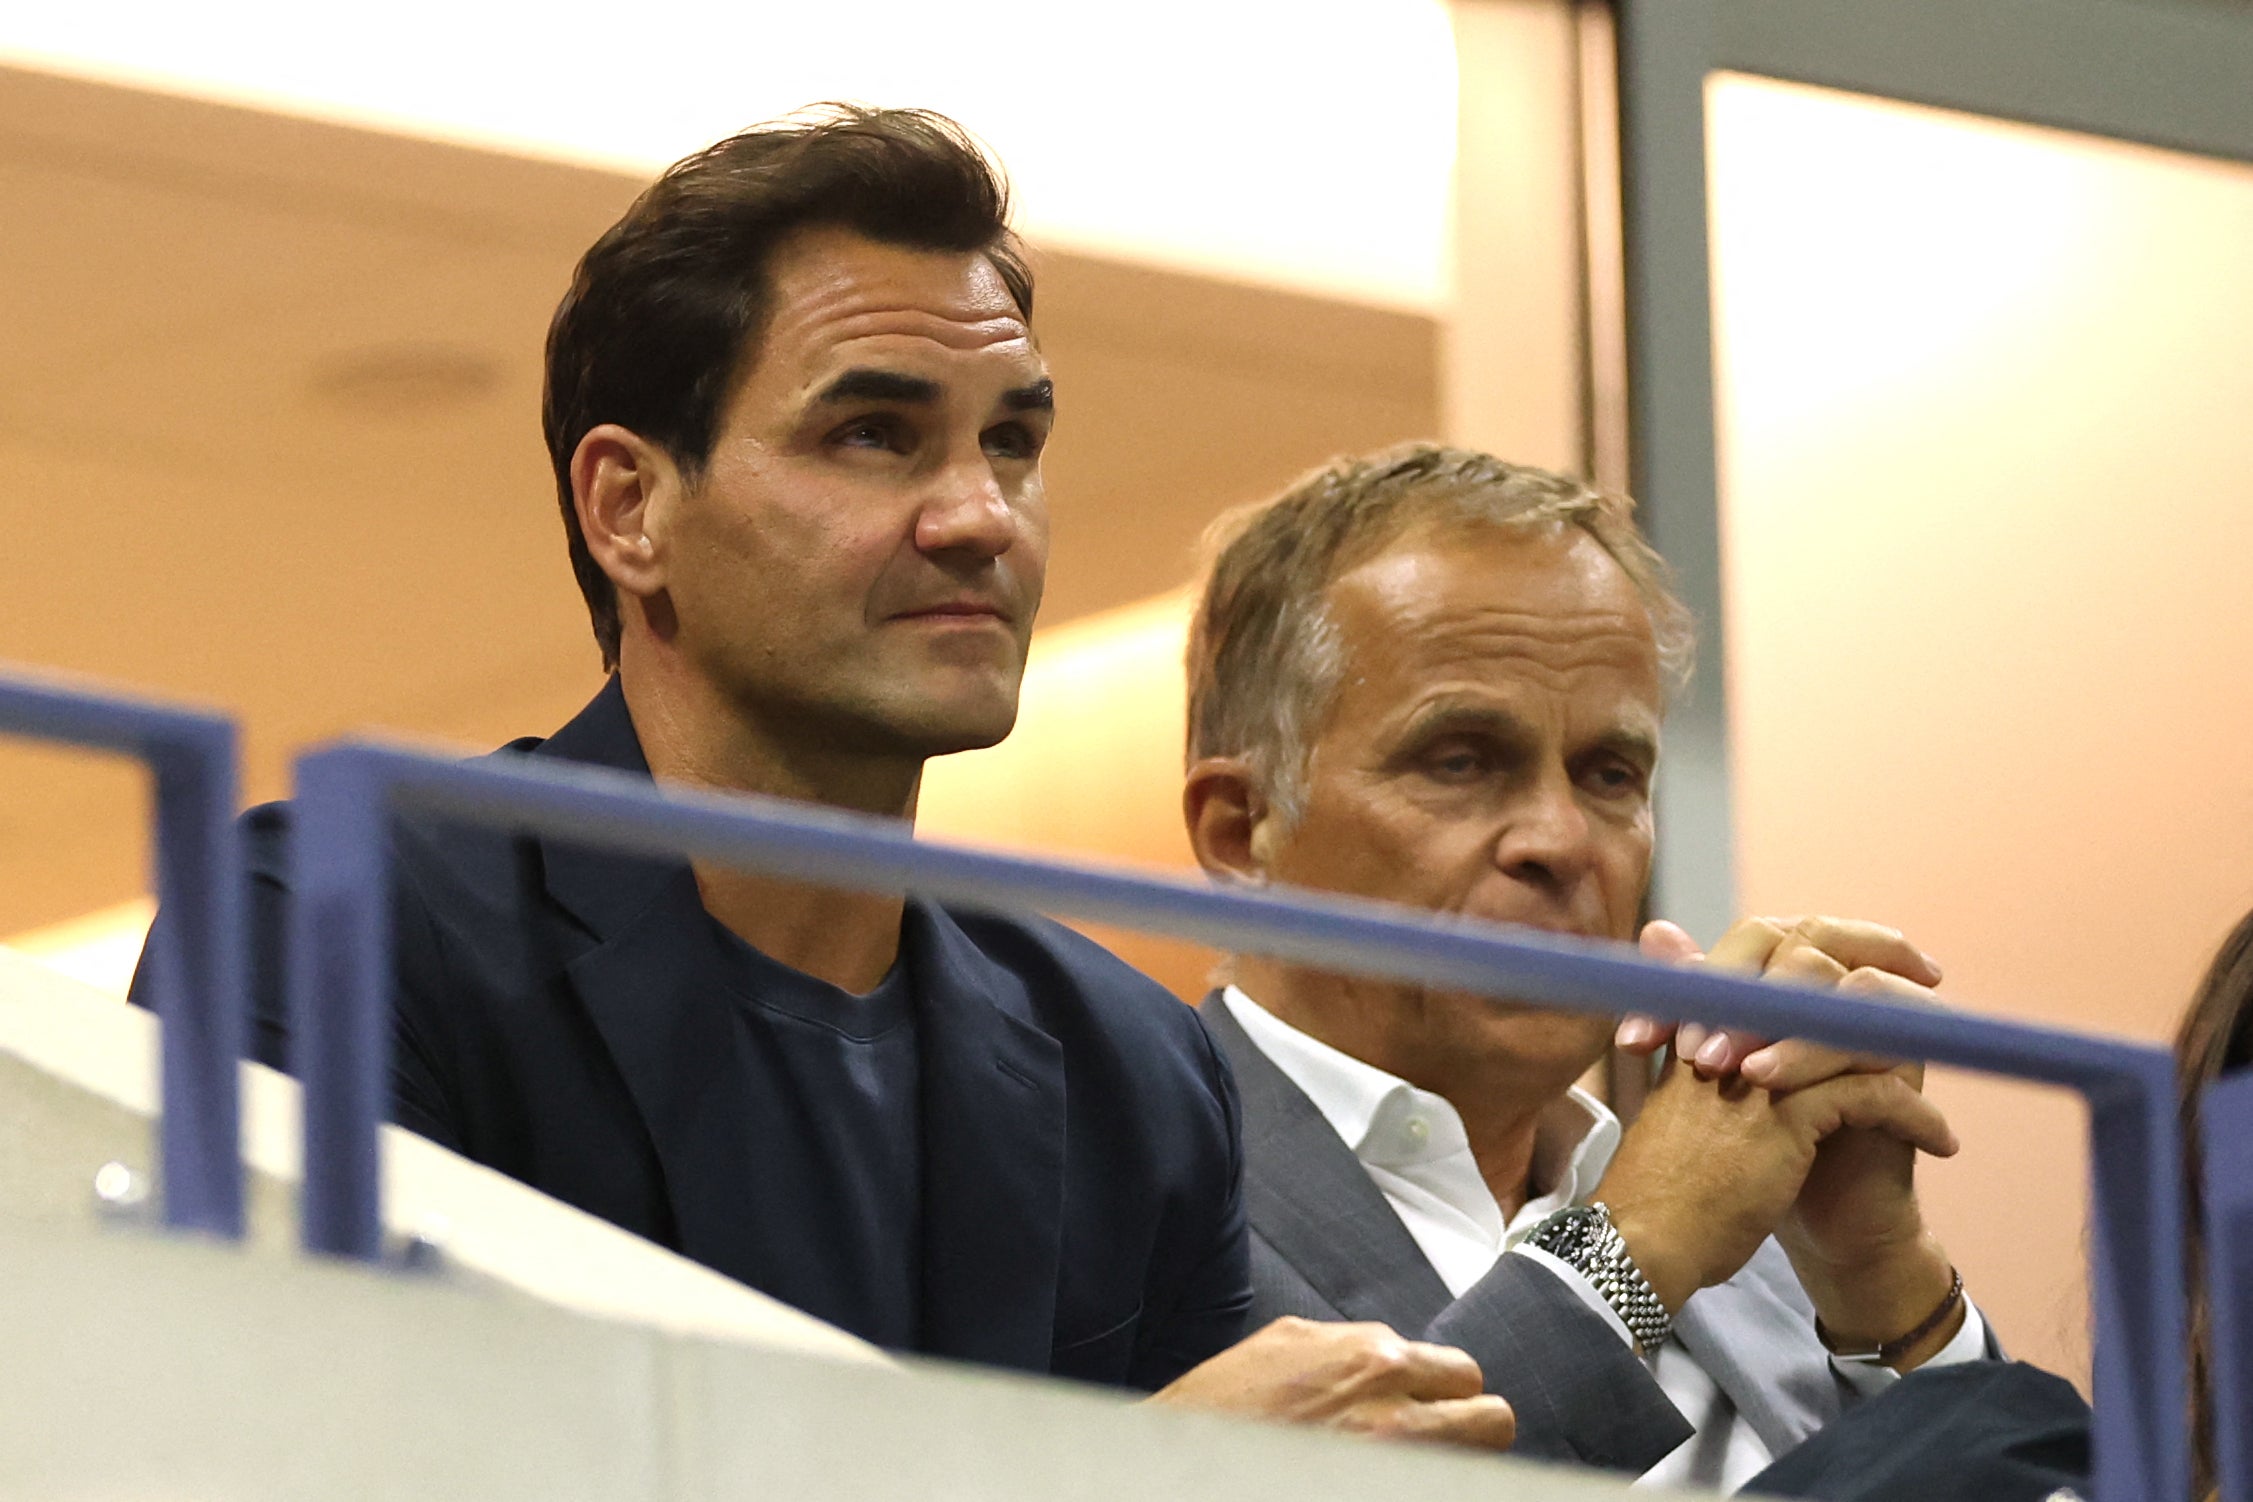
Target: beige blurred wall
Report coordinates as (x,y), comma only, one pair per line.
(1988,506)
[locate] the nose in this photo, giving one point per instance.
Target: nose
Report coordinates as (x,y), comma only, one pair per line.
(1549,841)
(968,511)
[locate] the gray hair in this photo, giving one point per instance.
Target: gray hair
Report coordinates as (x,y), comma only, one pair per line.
(1265,659)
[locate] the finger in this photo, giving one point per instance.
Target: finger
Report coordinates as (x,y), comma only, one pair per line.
(1393,1367)
(1668,943)
(1797,1064)
(1482,1422)
(1878,1102)
(1800,962)
(1747,944)
(1724,1052)
(1642,1035)
(1855,944)
(1689,1038)
(1886,986)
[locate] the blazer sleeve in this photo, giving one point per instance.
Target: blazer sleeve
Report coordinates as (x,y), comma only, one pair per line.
(1579,1392)
(1210,1311)
(1993,1431)
(417,1098)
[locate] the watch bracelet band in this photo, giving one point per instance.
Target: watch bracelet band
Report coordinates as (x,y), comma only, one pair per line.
(1585,1240)
(1888,1352)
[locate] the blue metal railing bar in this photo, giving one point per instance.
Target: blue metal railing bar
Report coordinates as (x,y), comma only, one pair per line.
(2225,1131)
(341,978)
(197,964)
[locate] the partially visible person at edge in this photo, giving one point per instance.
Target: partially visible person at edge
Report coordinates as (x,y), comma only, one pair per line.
(1435,677)
(796,412)
(2008,1432)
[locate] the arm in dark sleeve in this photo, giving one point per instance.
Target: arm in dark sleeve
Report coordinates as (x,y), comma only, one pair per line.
(1989,1430)
(264,833)
(417,1099)
(1210,1311)
(1580,1392)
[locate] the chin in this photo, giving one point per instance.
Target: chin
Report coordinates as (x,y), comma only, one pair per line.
(946,735)
(1569,1042)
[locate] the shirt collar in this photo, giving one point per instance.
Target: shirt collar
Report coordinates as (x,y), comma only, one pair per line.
(1374,1112)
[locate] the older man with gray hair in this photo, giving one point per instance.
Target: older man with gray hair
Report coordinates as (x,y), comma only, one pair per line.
(1436,678)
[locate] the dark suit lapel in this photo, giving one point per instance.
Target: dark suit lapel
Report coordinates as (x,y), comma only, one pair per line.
(648,981)
(993,1153)
(1313,1202)
(992,1109)
(654,994)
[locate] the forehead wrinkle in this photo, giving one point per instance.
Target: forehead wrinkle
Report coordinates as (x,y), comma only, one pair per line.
(969,334)
(1542,643)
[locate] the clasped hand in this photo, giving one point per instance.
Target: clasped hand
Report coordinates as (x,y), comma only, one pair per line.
(1742,1138)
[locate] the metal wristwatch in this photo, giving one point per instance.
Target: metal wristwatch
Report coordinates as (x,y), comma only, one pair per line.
(1585,1240)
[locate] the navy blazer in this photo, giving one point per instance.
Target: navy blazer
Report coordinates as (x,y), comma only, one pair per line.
(557,1020)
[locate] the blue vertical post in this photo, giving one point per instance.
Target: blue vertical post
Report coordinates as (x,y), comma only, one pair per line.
(2138,1287)
(205,1014)
(340,998)
(198,965)
(2226,1132)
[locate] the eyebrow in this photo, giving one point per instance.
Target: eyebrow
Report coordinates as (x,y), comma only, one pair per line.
(867,384)
(862,384)
(1444,718)
(1040,396)
(1640,746)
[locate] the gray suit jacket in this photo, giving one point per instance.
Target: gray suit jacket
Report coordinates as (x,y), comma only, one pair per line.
(1326,1245)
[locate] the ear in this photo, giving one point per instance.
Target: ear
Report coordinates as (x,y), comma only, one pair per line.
(625,490)
(1231,827)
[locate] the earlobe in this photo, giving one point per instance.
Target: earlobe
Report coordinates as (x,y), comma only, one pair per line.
(1263,840)
(1228,820)
(623,487)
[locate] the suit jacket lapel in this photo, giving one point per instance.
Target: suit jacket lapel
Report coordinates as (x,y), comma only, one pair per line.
(645,979)
(993,1153)
(992,1109)
(1314,1203)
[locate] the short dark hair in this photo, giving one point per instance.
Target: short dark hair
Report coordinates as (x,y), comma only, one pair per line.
(665,310)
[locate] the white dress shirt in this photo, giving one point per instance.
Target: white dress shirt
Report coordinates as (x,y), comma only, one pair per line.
(1414,1147)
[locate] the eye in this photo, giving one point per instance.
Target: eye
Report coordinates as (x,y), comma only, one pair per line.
(1455,761)
(1614,777)
(1012,440)
(881,431)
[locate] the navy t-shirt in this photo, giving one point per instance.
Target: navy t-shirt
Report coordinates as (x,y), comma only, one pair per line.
(831,1079)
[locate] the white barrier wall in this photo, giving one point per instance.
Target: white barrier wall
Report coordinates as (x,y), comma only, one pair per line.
(144,1366)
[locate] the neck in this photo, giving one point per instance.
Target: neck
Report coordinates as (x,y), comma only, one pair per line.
(1389,1026)
(692,735)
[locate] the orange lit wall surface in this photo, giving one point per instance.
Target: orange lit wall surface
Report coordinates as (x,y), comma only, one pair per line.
(1987,438)
(1093,768)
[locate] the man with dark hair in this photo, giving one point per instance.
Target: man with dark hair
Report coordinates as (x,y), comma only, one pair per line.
(796,413)
(669,306)
(1435,678)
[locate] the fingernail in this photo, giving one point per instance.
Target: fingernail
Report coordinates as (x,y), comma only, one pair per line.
(1758,1066)
(1715,1052)
(1634,1032)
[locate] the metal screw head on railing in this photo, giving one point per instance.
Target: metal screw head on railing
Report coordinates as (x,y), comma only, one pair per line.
(423,1250)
